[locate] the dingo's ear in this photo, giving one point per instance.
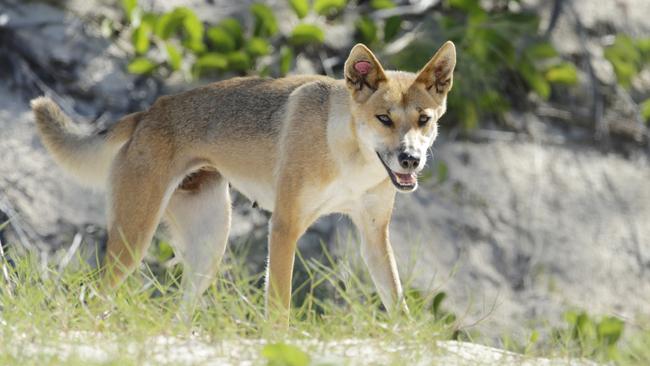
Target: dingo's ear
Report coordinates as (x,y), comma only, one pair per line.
(437,74)
(363,73)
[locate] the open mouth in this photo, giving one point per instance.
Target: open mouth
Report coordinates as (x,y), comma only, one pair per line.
(404,182)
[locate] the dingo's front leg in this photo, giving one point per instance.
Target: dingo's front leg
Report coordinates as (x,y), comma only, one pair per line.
(285,230)
(372,218)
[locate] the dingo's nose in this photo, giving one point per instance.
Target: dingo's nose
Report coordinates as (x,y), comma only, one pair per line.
(408,161)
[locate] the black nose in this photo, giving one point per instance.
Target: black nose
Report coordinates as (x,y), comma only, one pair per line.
(408,161)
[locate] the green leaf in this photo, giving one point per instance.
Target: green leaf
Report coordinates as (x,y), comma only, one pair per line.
(437,301)
(257,47)
(392,27)
(211,61)
(539,85)
(149,18)
(571,317)
(265,23)
(233,27)
(645,110)
(327,7)
(610,330)
(141,65)
(193,26)
(643,45)
(239,61)
(196,46)
(534,79)
(300,7)
(280,354)
(625,71)
(182,18)
(304,34)
(174,56)
(221,39)
(413,295)
(168,24)
(286,59)
(165,251)
(564,73)
(585,329)
(366,30)
(541,50)
(625,58)
(140,38)
(129,6)
(449,318)
(382,4)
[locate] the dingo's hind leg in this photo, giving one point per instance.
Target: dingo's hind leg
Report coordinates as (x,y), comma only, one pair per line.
(199,220)
(139,191)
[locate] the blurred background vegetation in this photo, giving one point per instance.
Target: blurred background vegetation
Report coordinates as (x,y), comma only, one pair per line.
(506,60)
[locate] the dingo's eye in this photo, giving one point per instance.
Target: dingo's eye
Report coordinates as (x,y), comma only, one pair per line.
(423,120)
(383,118)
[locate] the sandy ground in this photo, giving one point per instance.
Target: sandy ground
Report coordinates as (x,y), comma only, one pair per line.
(93,348)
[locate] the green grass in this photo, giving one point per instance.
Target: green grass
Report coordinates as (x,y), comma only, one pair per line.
(44,307)
(53,316)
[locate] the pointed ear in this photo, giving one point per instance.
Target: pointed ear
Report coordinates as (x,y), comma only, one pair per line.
(437,75)
(363,73)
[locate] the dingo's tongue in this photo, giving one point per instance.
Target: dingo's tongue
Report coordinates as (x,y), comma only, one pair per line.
(406,179)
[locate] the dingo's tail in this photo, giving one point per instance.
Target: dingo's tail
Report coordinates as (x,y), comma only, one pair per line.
(87,157)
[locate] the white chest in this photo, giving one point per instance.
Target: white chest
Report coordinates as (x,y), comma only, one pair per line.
(346,191)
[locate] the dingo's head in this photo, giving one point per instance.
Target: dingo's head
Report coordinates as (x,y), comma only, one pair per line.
(396,113)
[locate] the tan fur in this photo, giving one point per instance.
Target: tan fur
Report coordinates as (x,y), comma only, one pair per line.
(301,147)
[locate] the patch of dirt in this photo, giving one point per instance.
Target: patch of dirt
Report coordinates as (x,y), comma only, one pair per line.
(167,350)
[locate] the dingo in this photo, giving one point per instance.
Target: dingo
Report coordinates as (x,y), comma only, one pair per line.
(300,146)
